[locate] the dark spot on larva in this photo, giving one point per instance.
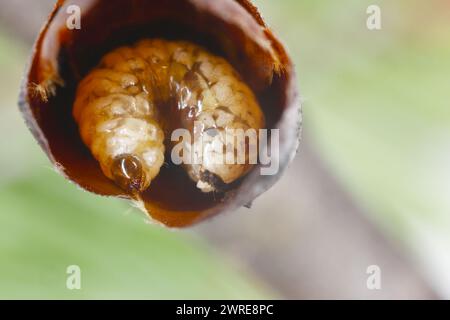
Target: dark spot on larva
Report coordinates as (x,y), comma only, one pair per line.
(214,180)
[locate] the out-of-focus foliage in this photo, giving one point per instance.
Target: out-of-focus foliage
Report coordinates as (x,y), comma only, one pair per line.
(377,108)
(48,225)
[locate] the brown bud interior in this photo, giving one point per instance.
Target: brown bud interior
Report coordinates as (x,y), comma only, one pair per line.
(232,29)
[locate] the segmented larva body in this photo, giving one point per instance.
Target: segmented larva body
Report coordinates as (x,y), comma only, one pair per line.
(129,104)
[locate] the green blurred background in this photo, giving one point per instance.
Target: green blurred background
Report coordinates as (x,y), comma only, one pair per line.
(371,184)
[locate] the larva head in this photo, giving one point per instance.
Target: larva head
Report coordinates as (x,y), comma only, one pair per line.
(63,56)
(128,173)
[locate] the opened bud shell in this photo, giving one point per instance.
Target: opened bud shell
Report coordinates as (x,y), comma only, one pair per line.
(232,29)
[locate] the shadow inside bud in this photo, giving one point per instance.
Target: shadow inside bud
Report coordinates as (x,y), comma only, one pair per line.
(128,173)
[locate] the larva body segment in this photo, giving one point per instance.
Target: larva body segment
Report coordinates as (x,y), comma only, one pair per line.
(128,105)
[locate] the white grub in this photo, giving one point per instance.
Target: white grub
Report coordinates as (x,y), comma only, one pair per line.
(119,104)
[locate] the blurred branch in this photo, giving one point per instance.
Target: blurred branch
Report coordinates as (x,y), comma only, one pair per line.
(308,239)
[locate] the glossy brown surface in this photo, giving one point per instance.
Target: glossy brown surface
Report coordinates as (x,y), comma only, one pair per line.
(232,29)
(128,174)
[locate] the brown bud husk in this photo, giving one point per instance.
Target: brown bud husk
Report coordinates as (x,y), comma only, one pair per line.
(230,28)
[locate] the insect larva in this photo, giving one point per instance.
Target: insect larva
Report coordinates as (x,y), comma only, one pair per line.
(128,104)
